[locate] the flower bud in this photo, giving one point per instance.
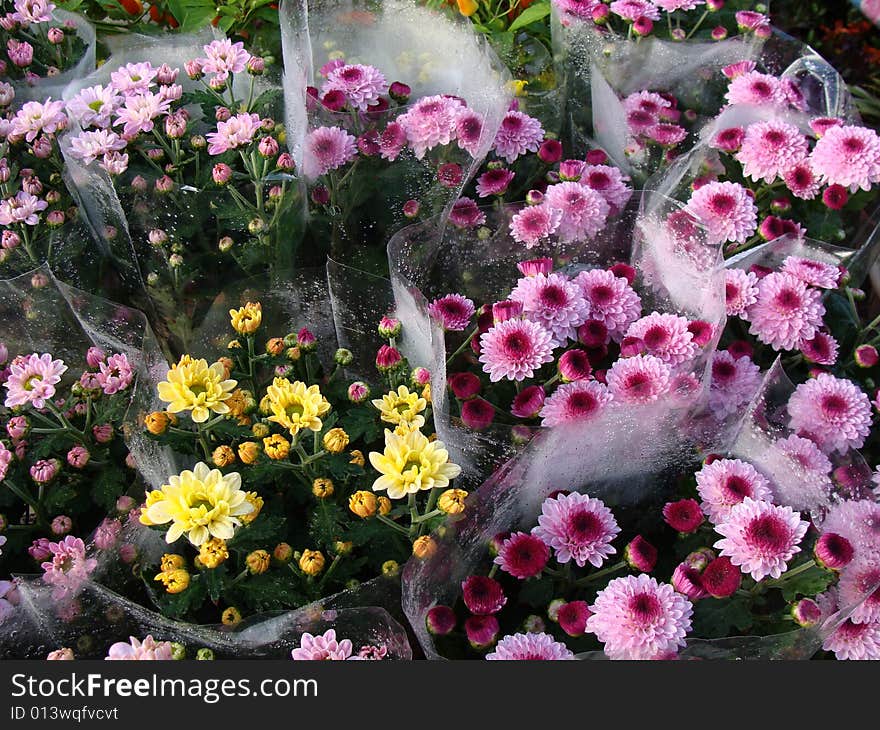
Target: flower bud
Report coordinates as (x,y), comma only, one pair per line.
(257,562)
(311,562)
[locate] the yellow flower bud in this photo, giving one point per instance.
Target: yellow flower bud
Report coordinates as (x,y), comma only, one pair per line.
(390,568)
(223,456)
(426,392)
(175,581)
(363,503)
(341,547)
(233,345)
(213,552)
(424,547)
(357,457)
(336,440)
(248,451)
(311,562)
(282,552)
(246,320)
(260,430)
(452,501)
(293,353)
(157,421)
(384,505)
(256,501)
(257,562)
(467,7)
(276,447)
(171,561)
(231,616)
(227,365)
(322,487)
(275,346)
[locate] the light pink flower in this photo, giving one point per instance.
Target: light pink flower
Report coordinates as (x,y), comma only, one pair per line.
(670,6)
(32,380)
(115,374)
(735,382)
(530,647)
(326,149)
(322,647)
(223,57)
(554,302)
(94,106)
(610,183)
(23,208)
(469,130)
(583,211)
(665,336)
(147,650)
(724,483)
(139,112)
(431,121)
(610,300)
(515,349)
(452,311)
(638,618)
(832,411)
(786,312)
(726,209)
(574,402)
(741,291)
(754,87)
(89,146)
(577,527)
(361,85)
(133,78)
(6,457)
(859,522)
(535,223)
(33,11)
(519,133)
(68,567)
(761,537)
(639,379)
(770,149)
(848,156)
(236,132)
(634,9)
(35,118)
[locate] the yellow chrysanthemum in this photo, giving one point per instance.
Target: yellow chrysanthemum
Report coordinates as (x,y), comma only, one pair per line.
(175,581)
(411,463)
(296,406)
(246,320)
(213,552)
(193,385)
(200,504)
(402,407)
(256,503)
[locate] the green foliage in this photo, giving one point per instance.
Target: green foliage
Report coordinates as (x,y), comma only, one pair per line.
(192,14)
(537,592)
(809,584)
(215,581)
(265,530)
(714,618)
(271,591)
(108,485)
(532,14)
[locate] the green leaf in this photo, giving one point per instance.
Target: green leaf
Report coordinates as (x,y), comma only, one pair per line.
(215,581)
(531,14)
(361,423)
(58,498)
(177,605)
(263,531)
(714,617)
(108,486)
(192,14)
(537,593)
(810,583)
(272,591)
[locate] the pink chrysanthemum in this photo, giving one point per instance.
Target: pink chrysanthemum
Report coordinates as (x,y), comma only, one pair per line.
(361,85)
(35,118)
(802,181)
(726,209)
(322,647)
(574,402)
(754,87)
(534,223)
(494,182)
(431,121)
(832,411)
(577,527)
(770,149)
(223,57)
(519,133)
(646,101)
(670,6)
(815,273)
(804,482)
(91,145)
(787,311)
(848,156)
(634,9)
(725,483)
(326,149)
(729,139)
(610,183)
(515,349)
(522,555)
(821,349)
(583,210)
(638,618)
(639,379)
(32,380)
(735,382)
(133,78)
(666,134)
(135,650)
(94,106)
(854,642)
(860,587)
(741,291)
(665,336)
(610,300)
(453,311)
(530,647)
(235,132)
(859,522)
(761,537)
(469,130)
(23,208)
(553,301)
(466,213)
(115,374)
(139,112)
(68,567)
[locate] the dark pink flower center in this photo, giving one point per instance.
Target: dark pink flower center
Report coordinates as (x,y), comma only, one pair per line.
(599,180)
(351,73)
(656,336)
(723,370)
(601,294)
(787,299)
(761,88)
(834,405)
(582,403)
(774,137)
(553,296)
(638,383)
(512,124)
(722,204)
(645,607)
(853,145)
(768,534)
(584,526)
(516,344)
(737,488)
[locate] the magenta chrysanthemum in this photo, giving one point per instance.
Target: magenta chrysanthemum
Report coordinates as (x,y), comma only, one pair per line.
(726,209)
(466,213)
(805,481)
(322,647)
(735,382)
(519,133)
(494,182)
(770,149)
(361,85)
(859,522)
(431,121)
(761,537)
(854,642)
(326,149)
(469,130)
(610,183)
(583,211)
(741,291)
(32,380)
(639,379)
(638,618)
(634,9)
(522,555)
(610,300)
(848,156)
(832,411)
(574,402)
(822,349)
(534,223)
(577,527)
(115,374)
(802,181)
(453,311)
(725,483)
(860,587)
(754,87)
(815,273)
(530,647)
(515,349)
(665,336)
(787,311)
(553,301)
